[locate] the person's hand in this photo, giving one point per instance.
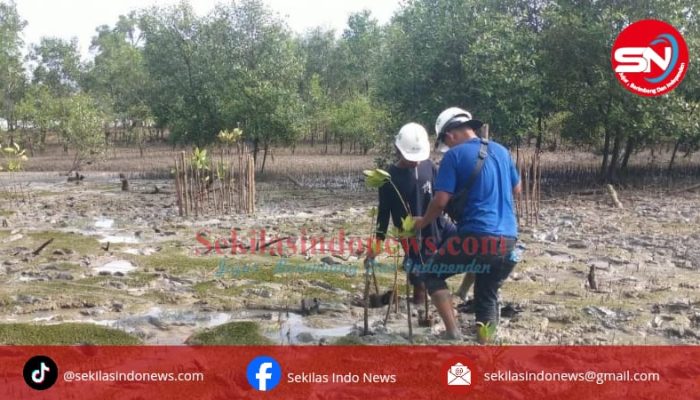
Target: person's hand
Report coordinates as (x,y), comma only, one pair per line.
(418,224)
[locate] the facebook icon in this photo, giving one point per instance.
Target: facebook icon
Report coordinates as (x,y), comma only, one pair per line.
(264,373)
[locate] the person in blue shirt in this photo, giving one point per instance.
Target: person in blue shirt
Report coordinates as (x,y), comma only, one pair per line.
(487,227)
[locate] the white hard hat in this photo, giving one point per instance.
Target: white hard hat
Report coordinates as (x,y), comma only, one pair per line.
(452,118)
(412,141)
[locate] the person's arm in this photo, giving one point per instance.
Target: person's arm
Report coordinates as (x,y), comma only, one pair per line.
(383,215)
(515,180)
(445,185)
(435,208)
(517,190)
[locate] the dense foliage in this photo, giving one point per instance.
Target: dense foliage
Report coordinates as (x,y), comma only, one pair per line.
(537,70)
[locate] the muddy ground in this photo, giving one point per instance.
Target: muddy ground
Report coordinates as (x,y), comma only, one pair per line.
(126,260)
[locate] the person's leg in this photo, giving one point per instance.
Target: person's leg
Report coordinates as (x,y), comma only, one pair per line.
(442,299)
(444,264)
(412,268)
(486,289)
(418,288)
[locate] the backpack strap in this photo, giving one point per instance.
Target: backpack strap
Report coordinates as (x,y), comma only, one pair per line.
(483,153)
(455,207)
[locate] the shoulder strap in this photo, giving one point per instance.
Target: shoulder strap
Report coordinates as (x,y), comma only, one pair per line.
(483,153)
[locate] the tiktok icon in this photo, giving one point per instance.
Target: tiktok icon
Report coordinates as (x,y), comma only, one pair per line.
(40,372)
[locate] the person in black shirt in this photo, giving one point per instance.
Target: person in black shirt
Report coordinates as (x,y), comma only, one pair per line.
(413,175)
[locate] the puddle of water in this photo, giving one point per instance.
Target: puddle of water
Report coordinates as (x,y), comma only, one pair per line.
(122,266)
(119,239)
(146,251)
(157,316)
(170,326)
(562,258)
(174,326)
(104,223)
(296,324)
(107,323)
(104,227)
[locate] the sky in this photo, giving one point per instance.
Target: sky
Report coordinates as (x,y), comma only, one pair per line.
(79,18)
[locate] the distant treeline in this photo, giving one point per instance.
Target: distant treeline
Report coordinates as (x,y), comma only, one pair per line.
(538,71)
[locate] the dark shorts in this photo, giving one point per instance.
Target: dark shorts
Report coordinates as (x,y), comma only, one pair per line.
(413,264)
(490,258)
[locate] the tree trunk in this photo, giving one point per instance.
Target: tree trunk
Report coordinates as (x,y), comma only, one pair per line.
(673,155)
(689,152)
(256,148)
(606,151)
(540,131)
(612,168)
(265,151)
(141,139)
(629,148)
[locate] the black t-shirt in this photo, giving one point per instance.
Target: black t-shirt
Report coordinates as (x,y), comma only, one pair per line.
(417,193)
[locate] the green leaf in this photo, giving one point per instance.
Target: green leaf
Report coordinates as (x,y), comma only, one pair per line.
(408,225)
(382,172)
(375,178)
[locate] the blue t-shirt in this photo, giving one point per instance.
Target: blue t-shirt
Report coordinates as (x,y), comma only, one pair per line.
(489,208)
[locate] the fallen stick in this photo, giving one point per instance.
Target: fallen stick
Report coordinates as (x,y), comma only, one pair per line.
(40,248)
(294,181)
(270,243)
(222,246)
(685,189)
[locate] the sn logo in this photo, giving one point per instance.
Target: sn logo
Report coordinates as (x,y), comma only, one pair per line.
(639,59)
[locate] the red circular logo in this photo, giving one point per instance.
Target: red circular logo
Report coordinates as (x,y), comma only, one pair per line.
(650,58)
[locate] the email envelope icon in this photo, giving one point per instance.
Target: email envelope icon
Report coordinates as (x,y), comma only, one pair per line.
(459,375)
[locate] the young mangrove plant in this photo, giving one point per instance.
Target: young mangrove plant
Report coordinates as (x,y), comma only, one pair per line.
(376,179)
(15,157)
